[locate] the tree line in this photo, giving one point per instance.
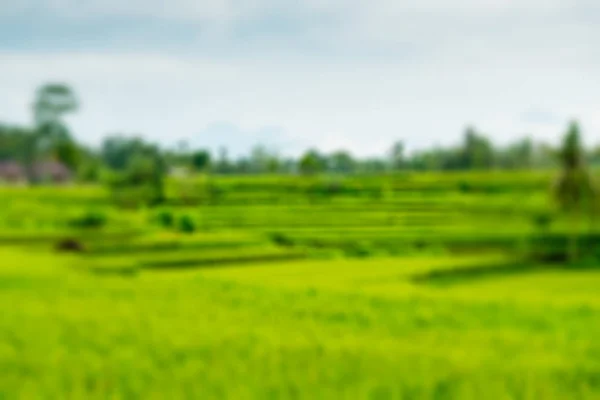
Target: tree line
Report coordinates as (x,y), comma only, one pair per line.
(50,137)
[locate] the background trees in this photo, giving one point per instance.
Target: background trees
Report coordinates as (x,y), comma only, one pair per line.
(49,137)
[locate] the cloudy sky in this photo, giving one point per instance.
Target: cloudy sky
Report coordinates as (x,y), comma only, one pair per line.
(353,74)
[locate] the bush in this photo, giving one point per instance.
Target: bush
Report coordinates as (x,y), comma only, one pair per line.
(186,224)
(542,221)
(89,220)
(165,219)
(358,249)
(465,187)
(281,240)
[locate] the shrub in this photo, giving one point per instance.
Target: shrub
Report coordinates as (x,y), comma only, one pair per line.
(358,249)
(281,240)
(186,224)
(465,187)
(165,219)
(542,220)
(89,220)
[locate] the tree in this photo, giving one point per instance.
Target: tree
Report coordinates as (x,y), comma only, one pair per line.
(68,153)
(342,162)
(14,142)
(311,163)
(223,165)
(397,156)
(137,170)
(201,160)
(517,155)
(574,189)
(263,160)
(477,151)
(52,102)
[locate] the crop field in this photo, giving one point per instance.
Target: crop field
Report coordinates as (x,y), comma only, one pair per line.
(425,286)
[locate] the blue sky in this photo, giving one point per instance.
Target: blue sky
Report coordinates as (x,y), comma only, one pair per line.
(329,73)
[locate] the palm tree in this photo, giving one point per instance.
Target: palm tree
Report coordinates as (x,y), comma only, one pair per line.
(574,189)
(52,101)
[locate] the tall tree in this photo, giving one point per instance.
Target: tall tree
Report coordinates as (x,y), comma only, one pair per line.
(52,102)
(397,160)
(574,189)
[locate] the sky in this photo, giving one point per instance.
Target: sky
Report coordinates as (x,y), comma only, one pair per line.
(294,74)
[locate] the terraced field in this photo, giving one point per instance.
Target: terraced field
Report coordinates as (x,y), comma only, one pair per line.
(280,287)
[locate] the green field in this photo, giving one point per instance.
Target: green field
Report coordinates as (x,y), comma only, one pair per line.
(399,287)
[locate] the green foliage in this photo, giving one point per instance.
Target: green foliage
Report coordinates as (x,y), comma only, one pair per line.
(574,190)
(89,171)
(397,156)
(281,239)
(68,153)
(311,163)
(543,220)
(201,160)
(52,101)
(574,186)
(15,143)
(89,220)
(165,218)
(341,162)
(186,224)
(138,170)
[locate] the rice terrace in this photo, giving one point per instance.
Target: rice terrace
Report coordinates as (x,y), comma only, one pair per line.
(402,286)
(323,199)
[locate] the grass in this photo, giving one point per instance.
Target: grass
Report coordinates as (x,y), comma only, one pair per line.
(320,329)
(409,287)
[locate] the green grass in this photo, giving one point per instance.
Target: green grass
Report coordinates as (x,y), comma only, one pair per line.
(412,286)
(320,329)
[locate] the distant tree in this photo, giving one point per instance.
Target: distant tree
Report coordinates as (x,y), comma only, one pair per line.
(263,160)
(14,143)
(223,165)
(273,165)
(517,155)
(478,152)
(311,163)
(201,160)
(373,166)
(117,150)
(397,160)
(342,162)
(574,189)
(52,102)
(137,170)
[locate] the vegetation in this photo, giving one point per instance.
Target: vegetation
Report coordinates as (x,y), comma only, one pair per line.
(574,190)
(164,273)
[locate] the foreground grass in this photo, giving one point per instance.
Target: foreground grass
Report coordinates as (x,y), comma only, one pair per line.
(307,332)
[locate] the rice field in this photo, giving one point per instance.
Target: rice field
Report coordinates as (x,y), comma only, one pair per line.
(282,287)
